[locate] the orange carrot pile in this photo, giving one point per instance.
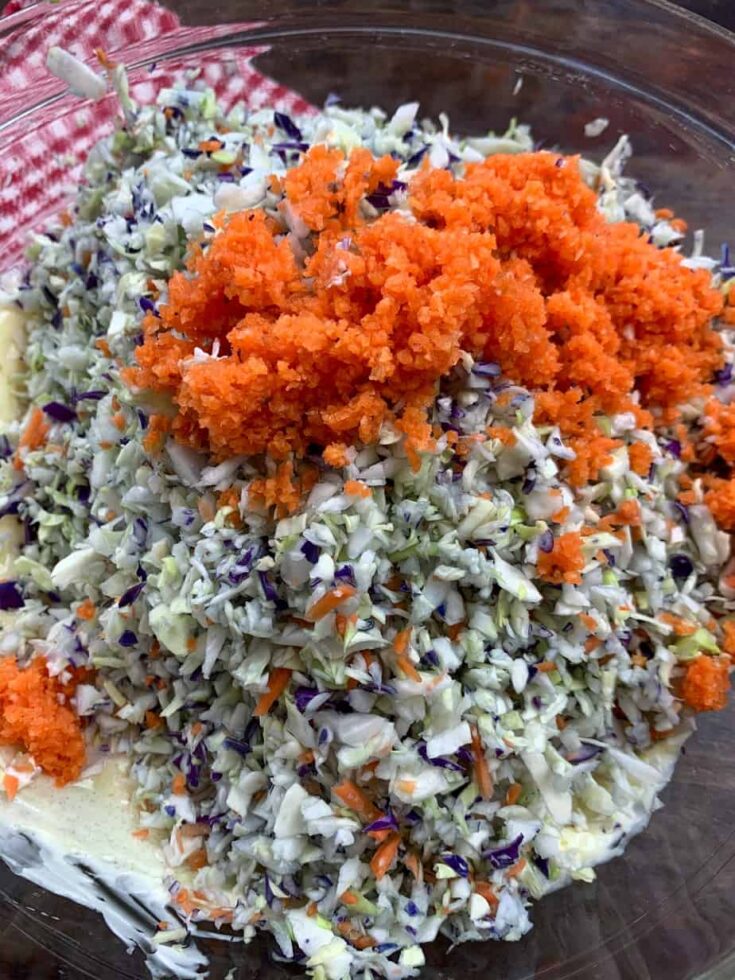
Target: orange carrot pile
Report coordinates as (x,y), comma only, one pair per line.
(512,262)
(706,683)
(32,717)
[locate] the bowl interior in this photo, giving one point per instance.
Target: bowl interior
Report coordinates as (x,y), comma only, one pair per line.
(664,909)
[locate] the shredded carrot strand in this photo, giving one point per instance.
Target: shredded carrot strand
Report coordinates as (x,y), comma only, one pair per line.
(485,889)
(350,794)
(513,794)
(35,431)
(482,773)
(329,602)
(86,610)
(516,869)
(277,683)
(385,855)
(11,785)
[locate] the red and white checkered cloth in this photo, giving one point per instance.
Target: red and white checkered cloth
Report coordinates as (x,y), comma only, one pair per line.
(40,153)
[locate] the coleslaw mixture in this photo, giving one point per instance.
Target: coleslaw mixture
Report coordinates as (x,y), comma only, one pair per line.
(367,700)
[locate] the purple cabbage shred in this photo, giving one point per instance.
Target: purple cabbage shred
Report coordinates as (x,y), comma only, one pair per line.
(11,596)
(457,864)
(130,595)
(288,126)
(60,412)
(505,857)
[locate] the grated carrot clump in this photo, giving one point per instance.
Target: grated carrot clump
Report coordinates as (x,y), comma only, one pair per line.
(640,457)
(720,499)
(706,683)
(511,262)
(564,562)
(32,716)
(719,428)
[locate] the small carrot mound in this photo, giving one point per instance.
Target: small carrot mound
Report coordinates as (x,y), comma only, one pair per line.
(706,683)
(32,717)
(720,499)
(640,457)
(719,428)
(564,562)
(511,262)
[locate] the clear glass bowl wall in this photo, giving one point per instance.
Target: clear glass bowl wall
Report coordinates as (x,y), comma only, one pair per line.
(665,909)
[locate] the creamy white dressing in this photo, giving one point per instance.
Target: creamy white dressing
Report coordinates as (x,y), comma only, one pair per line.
(77,841)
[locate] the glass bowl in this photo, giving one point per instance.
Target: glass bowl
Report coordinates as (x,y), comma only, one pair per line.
(662,76)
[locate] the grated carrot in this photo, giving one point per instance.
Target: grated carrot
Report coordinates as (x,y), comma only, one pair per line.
(351,796)
(329,602)
(483,778)
(455,631)
(402,641)
(513,794)
(511,262)
(197,860)
(178,784)
(565,560)
(11,784)
(385,855)
(35,431)
(355,488)
(277,683)
(33,716)
(516,869)
(86,610)
(353,935)
(629,512)
(640,457)
(407,667)
(706,683)
(141,833)
(680,626)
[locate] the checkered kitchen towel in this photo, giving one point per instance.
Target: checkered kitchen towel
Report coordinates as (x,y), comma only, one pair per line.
(40,153)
